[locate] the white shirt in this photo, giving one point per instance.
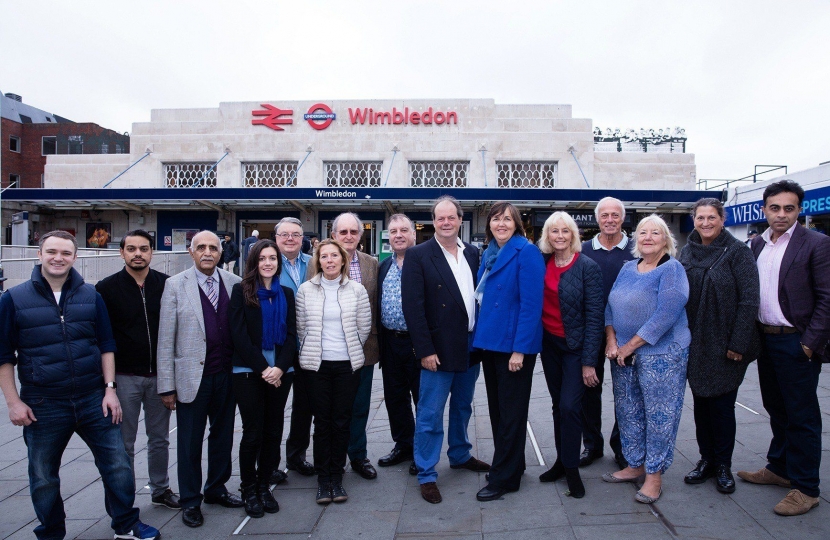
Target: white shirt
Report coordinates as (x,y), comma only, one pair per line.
(769,270)
(463,275)
(333,337)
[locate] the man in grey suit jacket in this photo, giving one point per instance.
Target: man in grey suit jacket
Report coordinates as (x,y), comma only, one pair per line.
(194,374)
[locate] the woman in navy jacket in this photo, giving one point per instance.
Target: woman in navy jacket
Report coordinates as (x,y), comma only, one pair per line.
(573,323)
(509,331)
(264,329)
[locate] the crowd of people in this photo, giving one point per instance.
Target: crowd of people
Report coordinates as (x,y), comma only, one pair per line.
(432,316)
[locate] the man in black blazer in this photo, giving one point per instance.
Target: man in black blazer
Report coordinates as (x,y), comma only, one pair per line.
(794,318)
(437,289)
(400,368)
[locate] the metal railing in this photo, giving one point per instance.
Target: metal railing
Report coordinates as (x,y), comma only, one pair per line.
(703,184)
(646,146)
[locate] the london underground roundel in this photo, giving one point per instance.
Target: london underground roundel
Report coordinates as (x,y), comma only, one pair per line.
(319,116)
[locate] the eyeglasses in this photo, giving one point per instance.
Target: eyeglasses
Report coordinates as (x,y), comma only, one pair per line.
(295,236)
(344,232)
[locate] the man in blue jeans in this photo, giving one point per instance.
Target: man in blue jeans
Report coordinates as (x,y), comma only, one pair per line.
(59,329)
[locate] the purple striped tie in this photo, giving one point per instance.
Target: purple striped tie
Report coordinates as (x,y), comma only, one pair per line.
(213,293)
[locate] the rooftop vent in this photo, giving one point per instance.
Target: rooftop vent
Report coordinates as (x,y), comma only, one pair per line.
(14,97)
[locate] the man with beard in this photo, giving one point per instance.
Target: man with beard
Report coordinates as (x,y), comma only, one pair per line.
(133,299)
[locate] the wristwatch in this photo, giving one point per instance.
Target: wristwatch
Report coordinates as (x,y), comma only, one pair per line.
(110,385)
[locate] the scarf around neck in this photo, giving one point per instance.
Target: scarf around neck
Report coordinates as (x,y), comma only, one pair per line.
(274,309)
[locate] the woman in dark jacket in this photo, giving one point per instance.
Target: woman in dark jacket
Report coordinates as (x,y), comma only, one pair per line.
(722,308)
(263,323)
(572,317)
(509,331)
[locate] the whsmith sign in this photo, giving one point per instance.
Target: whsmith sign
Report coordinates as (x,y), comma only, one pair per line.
(816,201)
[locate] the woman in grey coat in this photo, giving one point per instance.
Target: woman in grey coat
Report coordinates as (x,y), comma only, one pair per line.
(722,308)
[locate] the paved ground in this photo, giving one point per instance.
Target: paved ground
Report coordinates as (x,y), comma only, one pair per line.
(391,506)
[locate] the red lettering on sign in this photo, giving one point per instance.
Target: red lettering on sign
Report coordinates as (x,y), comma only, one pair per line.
(369,116)
(272,117)
(415,118)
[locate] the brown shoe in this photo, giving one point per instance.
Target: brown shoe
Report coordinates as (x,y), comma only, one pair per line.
(430,493)
(472,464)
(795,504)
(764,477)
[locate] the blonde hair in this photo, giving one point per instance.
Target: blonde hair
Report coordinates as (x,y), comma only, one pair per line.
(315,259)
(671,243)
(564,217)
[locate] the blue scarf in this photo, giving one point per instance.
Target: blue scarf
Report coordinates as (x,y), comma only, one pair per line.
(488,259)
(274,309)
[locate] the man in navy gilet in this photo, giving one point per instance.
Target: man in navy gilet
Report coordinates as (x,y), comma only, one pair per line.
(59,329)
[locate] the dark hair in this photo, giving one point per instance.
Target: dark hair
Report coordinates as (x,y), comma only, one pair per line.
(784,186)
(137,232)
(709,201)
(251,281)
(500,208)
(58,234)
(453,200)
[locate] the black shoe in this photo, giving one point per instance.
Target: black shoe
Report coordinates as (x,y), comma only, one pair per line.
(253,506)
(490,493)
(620,460)
(303,467)
(554,473)
(472,464)
(702,472)
(396,456)
(364,468)
(576,488)
(324,493)
(723,480)
(266,499)
(168,499)
(227,500)
(413,469)
(588,456)
(278,477)
(192,517)
(338,494)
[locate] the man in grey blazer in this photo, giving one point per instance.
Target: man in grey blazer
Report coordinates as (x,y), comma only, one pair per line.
(194,374)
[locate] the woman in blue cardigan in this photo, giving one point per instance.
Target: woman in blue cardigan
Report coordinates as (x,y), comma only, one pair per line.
(509,332)
(572,320)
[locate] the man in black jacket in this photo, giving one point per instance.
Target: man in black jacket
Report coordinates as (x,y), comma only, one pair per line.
(133,299)
(230,253)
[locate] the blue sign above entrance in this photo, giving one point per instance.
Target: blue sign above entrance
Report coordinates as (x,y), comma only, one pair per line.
(816,201)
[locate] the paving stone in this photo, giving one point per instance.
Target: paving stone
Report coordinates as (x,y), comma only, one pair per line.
(559,533)
(651,531)
(299,514)
(372,523)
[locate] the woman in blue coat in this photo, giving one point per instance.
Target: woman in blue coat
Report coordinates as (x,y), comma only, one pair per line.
(573,322)
(509,332)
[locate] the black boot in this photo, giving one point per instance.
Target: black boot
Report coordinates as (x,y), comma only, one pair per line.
(266,499)
(338,494)
(554,473)
(575,486)
(252,505)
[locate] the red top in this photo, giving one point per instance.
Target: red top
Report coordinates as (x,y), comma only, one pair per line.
(551,314)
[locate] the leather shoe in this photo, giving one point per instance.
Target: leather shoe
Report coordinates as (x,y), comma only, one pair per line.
(795,504)
(278,477)
(490,493)
(588,456)
(413,469)
(227,500)
(430,493)
(554,473)
(192,517)
(303,467)
(724,481)
(396,456)
(472,464)
(764,477)
(702,472)
(364,468)
(168,499)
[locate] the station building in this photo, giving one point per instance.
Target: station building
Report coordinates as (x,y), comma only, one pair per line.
(243,166)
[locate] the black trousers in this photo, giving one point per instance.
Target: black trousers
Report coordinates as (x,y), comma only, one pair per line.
(592,413)
(789,383)
(508,399)
(262,408)
(332,389)
(299,433)
(214,402)
(715,427)
(401,383)
(563,373)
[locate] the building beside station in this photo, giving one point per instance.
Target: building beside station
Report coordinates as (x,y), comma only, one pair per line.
(244,166)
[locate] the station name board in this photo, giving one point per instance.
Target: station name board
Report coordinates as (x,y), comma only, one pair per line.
(320,116)
(816,201)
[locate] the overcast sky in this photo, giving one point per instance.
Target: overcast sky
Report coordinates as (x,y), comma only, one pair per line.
(748,80)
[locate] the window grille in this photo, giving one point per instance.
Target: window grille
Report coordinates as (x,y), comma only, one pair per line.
(188,174)
(270,174)
(353,173)
(527,174)
(438,173)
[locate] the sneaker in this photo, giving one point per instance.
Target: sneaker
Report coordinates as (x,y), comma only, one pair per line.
(168,499)
(324,493)
(338,494)
(795,504)
(140,531)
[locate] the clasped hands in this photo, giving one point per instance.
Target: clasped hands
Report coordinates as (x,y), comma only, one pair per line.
(272,375)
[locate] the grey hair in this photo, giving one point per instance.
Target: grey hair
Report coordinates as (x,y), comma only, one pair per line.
(447,198)
(609,200)
(291,220)
(213,234)
(400,217)
(671,243)
(344,214)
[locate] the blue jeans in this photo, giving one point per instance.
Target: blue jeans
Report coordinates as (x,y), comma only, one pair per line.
(46,439)
(436,386)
